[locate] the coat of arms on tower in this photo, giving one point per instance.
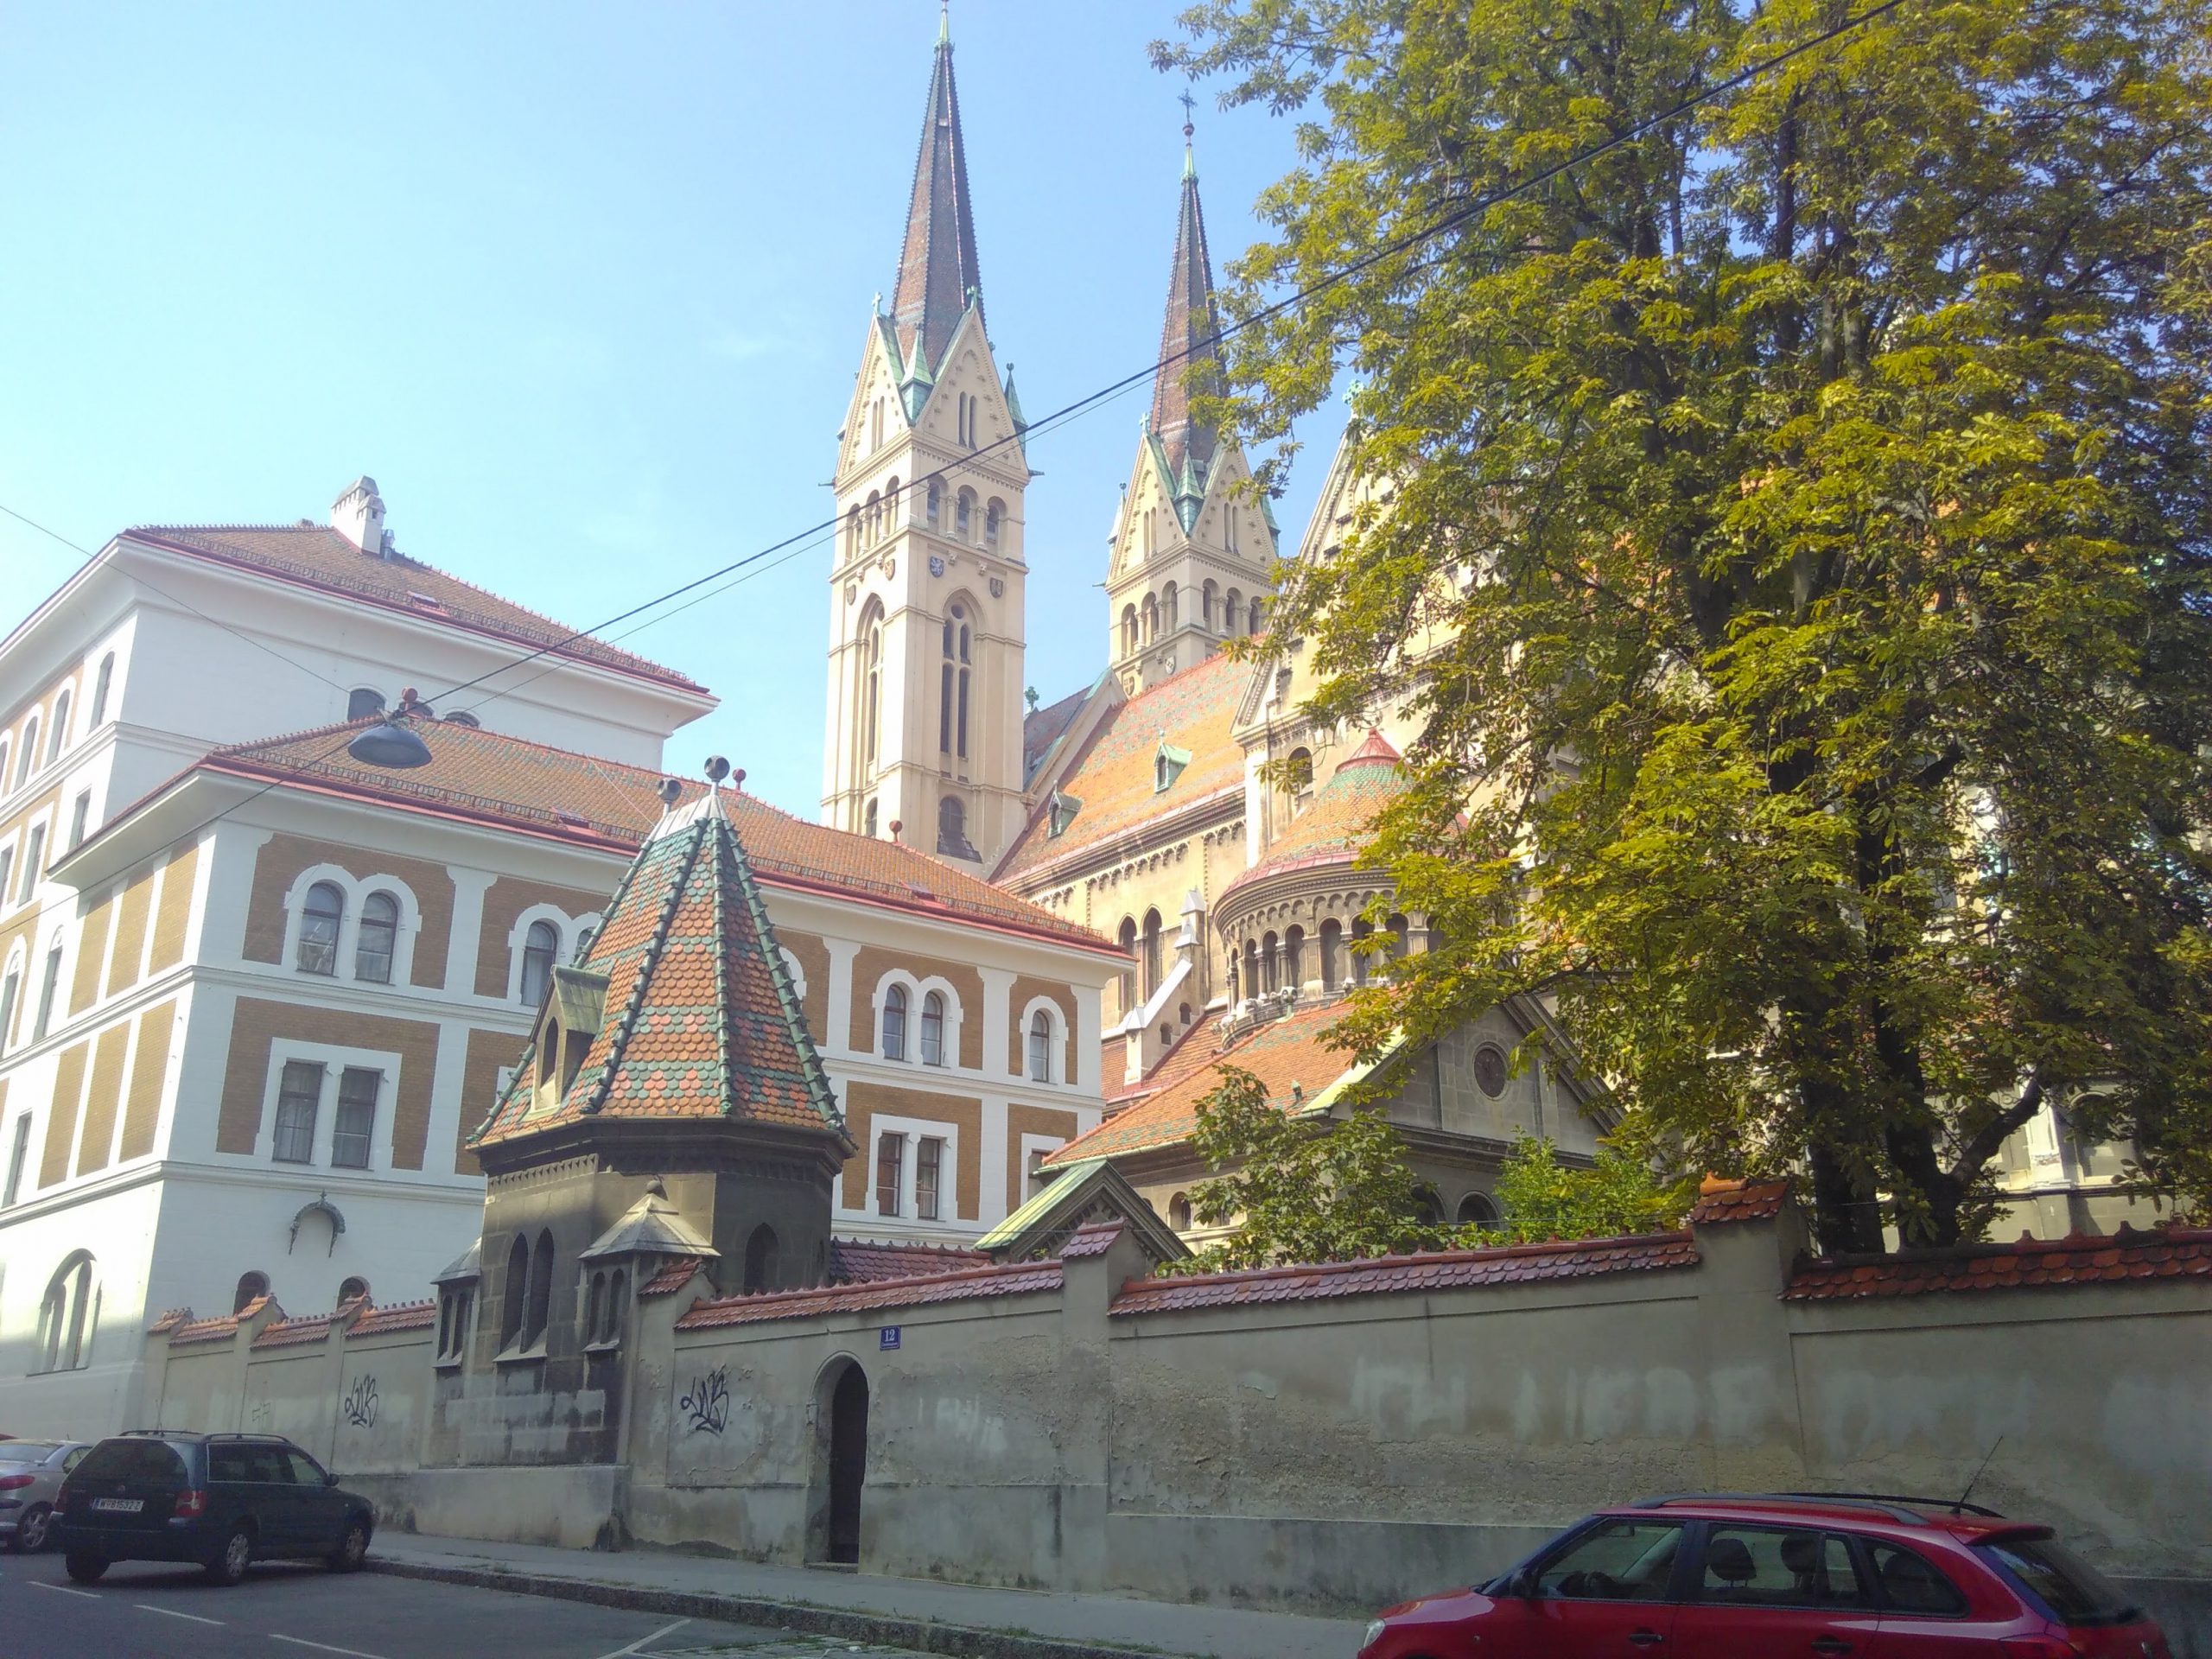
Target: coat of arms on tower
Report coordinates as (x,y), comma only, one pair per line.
(936,564)
(998,587)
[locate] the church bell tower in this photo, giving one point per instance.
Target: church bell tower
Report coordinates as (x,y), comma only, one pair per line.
(926,585)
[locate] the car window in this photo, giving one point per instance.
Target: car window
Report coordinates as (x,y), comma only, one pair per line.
(76,1456)
(1614,1560)
(269,1465)
(1779,1566)
(28,1450)
(230,1462)
(134,1460)
(1911,1585)
(305,1471)
(2075,1593)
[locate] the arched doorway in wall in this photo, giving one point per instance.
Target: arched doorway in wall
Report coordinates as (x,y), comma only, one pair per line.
(840,1463)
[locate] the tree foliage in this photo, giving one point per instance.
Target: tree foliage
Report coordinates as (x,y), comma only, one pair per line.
(1832,690)
(1543,1198)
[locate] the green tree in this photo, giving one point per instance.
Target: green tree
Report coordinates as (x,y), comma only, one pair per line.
(1832,463)
(1545,1198)
(1298,1188)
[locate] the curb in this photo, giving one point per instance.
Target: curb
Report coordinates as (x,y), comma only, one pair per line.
(880,1630)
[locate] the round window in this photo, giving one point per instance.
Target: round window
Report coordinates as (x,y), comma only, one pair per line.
(1490,1069)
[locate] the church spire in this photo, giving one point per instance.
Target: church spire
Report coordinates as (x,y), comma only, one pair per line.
(937,274)
(1189,335)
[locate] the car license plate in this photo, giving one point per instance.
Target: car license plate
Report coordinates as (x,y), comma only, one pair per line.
(120,1505)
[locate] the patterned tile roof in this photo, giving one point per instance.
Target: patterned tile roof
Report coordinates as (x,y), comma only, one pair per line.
(701,1019)
(1198,1046)
(867,1262)
(315,555)
(1721,1201)
(1515,1264)
(2171,1252)
(287,1333)
(1282,1052)
(672,1277)
(1114,776)
(1041,728)
(489,776)
(1014,1279)
(400,1316)
(1334,825)
(171,1318)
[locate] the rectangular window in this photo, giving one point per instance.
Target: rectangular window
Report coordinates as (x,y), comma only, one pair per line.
(15,1156)
(46,989)
(35,849)
(298,1098)
(78,816)
(890,1165)
(929,1159)
(6,868)
(357,1118)
(9,990)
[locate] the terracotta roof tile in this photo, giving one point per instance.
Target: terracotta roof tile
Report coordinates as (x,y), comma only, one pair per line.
(315,555)
(215,1330)
(1093,1238)
(1041,727)
(400,1316)
(867,1261)
(1721,1201)
(1389,1275)
(2171,1252)
(170,1318)
(1334,826)
(1014,1279)
(1280,1053)
(1113,777)
(489,776)
(674,1275)
(287,1333)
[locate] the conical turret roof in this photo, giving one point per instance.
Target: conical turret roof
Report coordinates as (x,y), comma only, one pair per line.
(1190,336)
(938,271)
(694,1014)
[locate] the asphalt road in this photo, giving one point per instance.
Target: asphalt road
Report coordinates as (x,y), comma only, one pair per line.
(149,1610)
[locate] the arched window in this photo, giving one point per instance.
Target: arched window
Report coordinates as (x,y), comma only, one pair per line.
(462,717)
(4,772)
(353,1289)
(320,919)
(514,1303)
(1208,596)
(1040,1047)
(1478,1209)
(1129,974)
(1427,1206)
(952,714)
(377,939)
(1251,968)
(1179,1212)
(1297,771)
(871,688)
(873,516)
(362,701)
(1151,618)
(1232,614)
(65,1315)
(1270,961)
(1152,963)
(1169,605)
(616,1285)
(933,1029)
(1256,619)
(30,751)
(250,1285)
(963,515)
(952,829)
(1333,944)
(541,1291)
(894,1041)
(760,1259)
(48,983)
(934,499)
(1293,957)
(870,815)
(993,514)
(60,733)
(101,687)
(541,946)
(891,503)
(1130,640)
(1360,930)
(1401,937)
(595,1307)
(853,531)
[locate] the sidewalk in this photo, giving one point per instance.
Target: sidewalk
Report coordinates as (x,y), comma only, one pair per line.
(912,1613)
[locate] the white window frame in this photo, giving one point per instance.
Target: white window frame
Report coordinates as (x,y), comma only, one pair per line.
(567,930)
(954,1014)
(24,871)
(333,1060)
(914,1131)
(1044,1143)
(356,890)
(1053,1012)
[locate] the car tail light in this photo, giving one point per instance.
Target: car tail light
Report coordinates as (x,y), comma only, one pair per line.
(16,1483)
(2039,1647)
(190,1506)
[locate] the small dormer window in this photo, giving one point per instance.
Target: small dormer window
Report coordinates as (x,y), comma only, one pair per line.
(1060,812)
(1167,763)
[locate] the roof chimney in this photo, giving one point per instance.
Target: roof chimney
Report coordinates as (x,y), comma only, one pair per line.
(358,515)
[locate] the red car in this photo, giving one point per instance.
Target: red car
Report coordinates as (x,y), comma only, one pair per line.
(1782,1576)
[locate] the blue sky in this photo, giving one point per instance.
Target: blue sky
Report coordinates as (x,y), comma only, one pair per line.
(583,286)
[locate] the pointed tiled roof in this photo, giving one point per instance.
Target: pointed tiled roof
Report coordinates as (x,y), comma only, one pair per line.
(937,265)
(1188,336)
(702,1020)
(1335,824)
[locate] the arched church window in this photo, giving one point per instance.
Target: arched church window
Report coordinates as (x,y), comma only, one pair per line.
(1209,597)
(1293,957)
(541,947)
(871,698)
(1151,618)
(1257,621)
(65,1315)
(1152,962)
(541,1291)
(868,817)
(874,516)
(963,515)
(891,503)
(893,1039)
(1179,1212)
(1040,1047)
(1333,944)
(760,1259)
(1270,961)
(1360,930)
(362,701)
(1169,605)
(993,514)
(1129,640)
(319,923)
(514,1299)
(933,1028)
(933,503)
(1252,986)
(952,829)
(952,714)
(250,1285)
(1232,613)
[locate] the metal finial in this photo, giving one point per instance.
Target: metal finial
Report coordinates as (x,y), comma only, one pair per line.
(717,769)
(670,791)
(944,23)
(1190,158)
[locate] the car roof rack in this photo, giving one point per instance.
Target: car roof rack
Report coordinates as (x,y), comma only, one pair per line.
(1889,1503)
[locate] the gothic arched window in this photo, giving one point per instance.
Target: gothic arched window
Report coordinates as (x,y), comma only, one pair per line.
(933,1028)
(893,1039)
(1293,956)
(541,1290)
(1129,974)
(250,1285)
(60,733)
(379,938)
(100,688)
(952,715)
(1129,639)
(1232,613)
(994,514)
(320,919)
(760,1259)
(515,1297)
(952,829)
(1208,596)
(1152,961)
(1256,621)
(853,533)
(1169,607)
(963,515)
(65,1315)
(871,687)
(1151,618)
(1333,944)
(933,503)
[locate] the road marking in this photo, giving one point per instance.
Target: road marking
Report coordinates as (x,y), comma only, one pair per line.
(40,1584)
(622,1653)
(321,1647)
(148,1607)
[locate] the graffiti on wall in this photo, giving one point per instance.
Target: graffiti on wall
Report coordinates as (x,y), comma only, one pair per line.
(361,1402)
(707,1404)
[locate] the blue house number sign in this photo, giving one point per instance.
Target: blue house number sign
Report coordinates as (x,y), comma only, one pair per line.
(888,1338)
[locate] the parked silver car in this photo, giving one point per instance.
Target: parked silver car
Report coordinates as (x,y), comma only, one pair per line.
(30,1474)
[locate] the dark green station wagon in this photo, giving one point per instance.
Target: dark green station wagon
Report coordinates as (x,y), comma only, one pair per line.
(220,1500)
